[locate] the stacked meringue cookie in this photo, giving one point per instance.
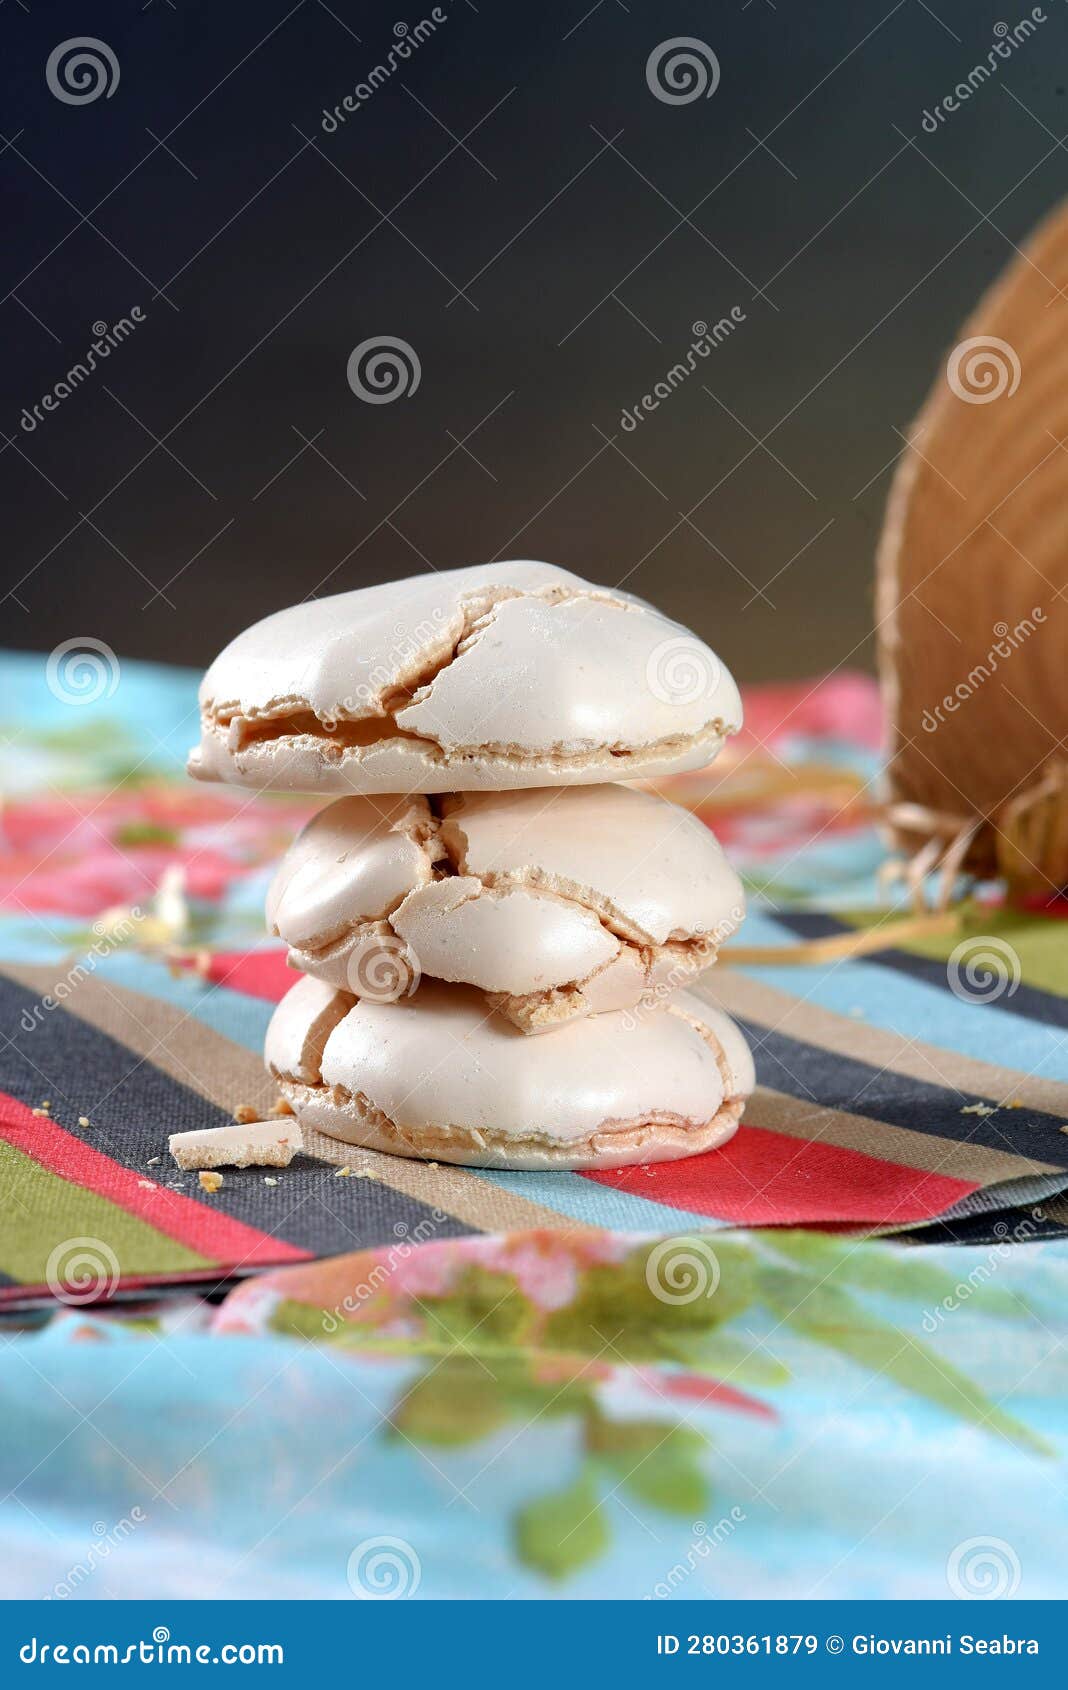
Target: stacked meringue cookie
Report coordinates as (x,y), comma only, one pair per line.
(494,964)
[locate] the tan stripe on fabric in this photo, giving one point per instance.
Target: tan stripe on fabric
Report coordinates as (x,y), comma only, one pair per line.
(931,1064)
(228,1075)
(171,1038)
(1054,1209)
(798,1117)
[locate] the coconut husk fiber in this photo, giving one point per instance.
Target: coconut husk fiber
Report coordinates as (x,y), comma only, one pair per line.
(972,591)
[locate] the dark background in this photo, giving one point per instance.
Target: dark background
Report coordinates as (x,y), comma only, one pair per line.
(219,466)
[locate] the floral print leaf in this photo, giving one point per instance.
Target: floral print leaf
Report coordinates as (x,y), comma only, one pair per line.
(899,1275)
(669,1478)
(913,1365)
(654,1460)
(724,1355)
(562,1531)
(620,1299)
(146,833)
(483,1309)
(457,1403)
(830,1316)
(301,1320)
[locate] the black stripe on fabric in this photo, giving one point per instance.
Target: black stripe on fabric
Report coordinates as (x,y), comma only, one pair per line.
(1031,1003)
(834,1080)
(133,1107)
(1016,1227)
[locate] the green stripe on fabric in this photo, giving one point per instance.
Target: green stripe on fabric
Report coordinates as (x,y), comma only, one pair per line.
(41,1211)
(1040,941)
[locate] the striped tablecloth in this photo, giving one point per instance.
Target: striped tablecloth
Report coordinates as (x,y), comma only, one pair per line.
(921,1082)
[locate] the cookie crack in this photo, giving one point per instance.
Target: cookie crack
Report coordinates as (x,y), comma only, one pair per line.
(474,616)
(708,1036)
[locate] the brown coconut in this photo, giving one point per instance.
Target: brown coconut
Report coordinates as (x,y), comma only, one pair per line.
(972,589)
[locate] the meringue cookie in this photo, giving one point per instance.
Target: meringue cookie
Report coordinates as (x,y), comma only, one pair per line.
(435,1076)
(503,675)
(556,903)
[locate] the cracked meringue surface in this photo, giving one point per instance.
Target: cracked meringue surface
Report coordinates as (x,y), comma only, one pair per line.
(434,1076)
(500,676)
(556,903)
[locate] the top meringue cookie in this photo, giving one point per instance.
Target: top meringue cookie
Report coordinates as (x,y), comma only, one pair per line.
(499,676)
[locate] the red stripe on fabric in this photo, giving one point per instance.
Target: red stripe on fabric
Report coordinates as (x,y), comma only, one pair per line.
(694,1387)
(762,1178)
(210,1232)
(260,974)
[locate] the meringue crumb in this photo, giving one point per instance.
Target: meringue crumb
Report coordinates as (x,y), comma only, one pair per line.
(152,1160)
(147,1184)
(209,1180)
(39,1111)
(268,1180)
(363,1173)
(244,1114)
(978,1109)
(83,1120)
(342,1173)
(282,1107)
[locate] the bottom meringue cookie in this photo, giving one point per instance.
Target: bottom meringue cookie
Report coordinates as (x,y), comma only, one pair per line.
(435,1077)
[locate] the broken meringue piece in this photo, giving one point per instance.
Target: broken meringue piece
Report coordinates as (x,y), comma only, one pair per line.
(434,1077)
(556,903)
(266,1144)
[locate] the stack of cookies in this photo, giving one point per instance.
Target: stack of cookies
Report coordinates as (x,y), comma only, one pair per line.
(494,939)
